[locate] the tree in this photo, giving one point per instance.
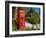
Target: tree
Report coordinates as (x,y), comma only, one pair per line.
(33,17)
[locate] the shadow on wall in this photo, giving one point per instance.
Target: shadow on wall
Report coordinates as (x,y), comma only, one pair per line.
(11,37)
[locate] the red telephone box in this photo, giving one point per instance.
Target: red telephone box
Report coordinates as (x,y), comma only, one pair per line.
(21,19)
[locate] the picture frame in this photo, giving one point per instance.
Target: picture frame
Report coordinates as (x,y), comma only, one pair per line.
(8,16)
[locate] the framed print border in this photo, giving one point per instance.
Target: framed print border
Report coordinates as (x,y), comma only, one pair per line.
(7,18)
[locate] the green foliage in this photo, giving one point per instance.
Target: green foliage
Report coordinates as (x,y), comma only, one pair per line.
(33,17)
(14,28)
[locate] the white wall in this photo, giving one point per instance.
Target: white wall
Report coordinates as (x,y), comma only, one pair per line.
(2,19)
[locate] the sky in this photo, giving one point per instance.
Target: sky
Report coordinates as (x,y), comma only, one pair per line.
(36,9)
